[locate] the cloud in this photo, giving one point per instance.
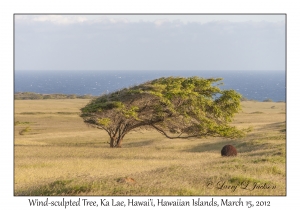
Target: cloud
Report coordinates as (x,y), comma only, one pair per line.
(160,22)
(108,43)
(55,19)
(156,19)
(70,19)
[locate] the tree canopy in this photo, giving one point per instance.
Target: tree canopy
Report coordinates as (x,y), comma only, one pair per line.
(176,107)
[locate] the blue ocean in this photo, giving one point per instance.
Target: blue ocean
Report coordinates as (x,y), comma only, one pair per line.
(255,85)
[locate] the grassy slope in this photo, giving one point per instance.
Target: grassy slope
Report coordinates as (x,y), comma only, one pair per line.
(57,154)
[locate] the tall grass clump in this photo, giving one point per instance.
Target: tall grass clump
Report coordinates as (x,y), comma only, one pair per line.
(25,130)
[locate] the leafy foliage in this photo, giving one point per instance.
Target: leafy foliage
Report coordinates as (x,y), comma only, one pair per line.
(176,107)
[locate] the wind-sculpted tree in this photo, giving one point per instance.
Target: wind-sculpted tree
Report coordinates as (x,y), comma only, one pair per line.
(175,107)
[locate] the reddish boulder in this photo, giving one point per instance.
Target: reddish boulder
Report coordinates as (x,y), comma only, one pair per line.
(228,150)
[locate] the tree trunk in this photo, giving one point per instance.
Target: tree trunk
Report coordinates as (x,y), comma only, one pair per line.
(119,142)
(115,142)
(112,142)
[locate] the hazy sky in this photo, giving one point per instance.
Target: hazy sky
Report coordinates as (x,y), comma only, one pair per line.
(149,42)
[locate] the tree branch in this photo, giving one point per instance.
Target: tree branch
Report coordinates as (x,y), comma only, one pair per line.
(173,137)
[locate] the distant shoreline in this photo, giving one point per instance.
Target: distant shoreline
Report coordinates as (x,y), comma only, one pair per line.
(40,96)
(258,85)
(45,96)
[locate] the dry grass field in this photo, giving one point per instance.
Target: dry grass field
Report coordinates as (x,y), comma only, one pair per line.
(55,153)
